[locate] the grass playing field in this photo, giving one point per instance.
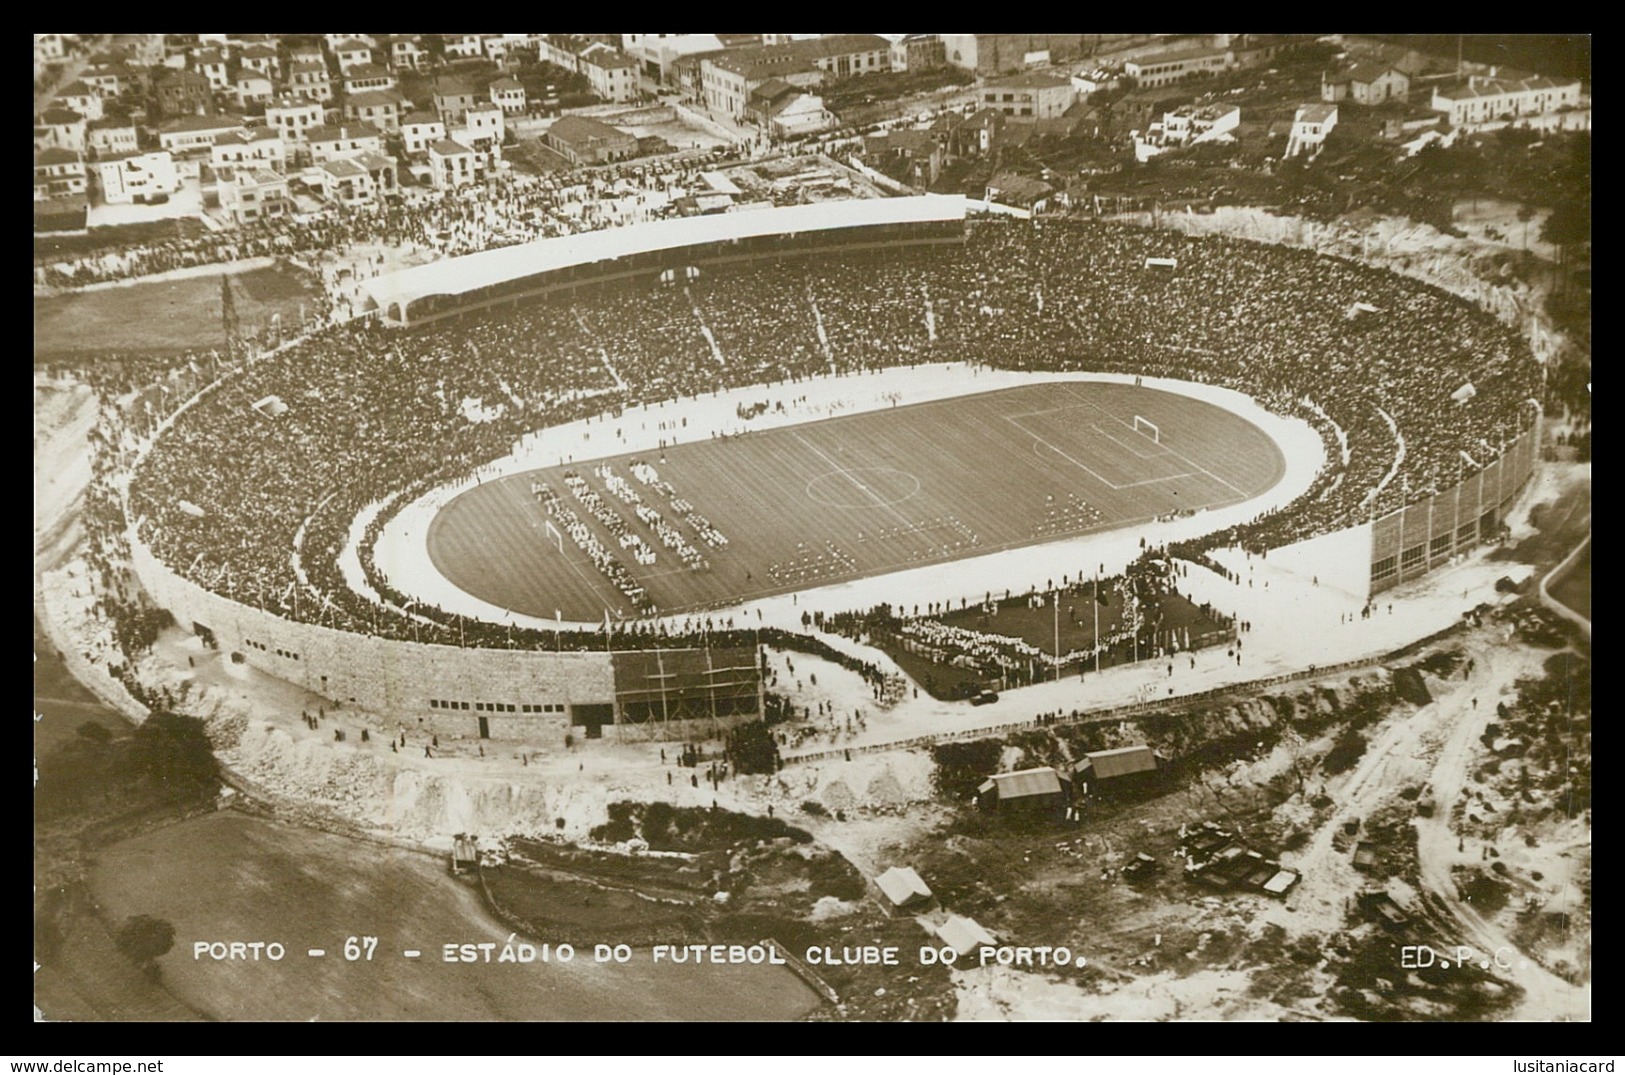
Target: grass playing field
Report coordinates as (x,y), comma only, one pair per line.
(868,494)
(167,315)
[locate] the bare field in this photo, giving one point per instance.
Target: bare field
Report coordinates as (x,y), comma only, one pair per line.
(167,315)
(229,877)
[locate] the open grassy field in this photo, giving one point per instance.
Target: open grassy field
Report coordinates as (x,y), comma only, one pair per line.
(229,877)
(867,494)
(168,315)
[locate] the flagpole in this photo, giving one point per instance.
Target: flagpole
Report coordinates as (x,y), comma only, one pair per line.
(1096,603)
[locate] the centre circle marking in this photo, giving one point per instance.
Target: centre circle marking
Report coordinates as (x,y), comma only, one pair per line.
(863,487)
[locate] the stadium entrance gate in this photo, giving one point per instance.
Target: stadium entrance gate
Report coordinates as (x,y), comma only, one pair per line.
(592,718)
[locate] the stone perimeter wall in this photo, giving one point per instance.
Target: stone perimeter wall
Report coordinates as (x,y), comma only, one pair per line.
(395,679)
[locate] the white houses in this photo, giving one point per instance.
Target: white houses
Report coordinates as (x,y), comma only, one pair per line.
(1310,126)
(109,137)
(253,88)
(1165,68)
(351,55)
(508,94)
(61,128)
(58,173)
(379,109)
(294,117)
(1035,95)
(407,53)
(255,194)
(1369,82)
(251,150)
(1188,125)
(137,177)
(344,182)
(483,129)
(309,79)
(451,164)
(612,73)
(211,64)
(262,59)
(1488,98)
(185,134)
(80,98)
(452,99)
(420,130)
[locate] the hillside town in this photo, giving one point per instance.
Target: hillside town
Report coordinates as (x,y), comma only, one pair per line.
(207,138)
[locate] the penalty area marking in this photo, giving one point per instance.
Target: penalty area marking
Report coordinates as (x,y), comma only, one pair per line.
(1134,449)
(1039,443)
(1188,462)
(1086,468)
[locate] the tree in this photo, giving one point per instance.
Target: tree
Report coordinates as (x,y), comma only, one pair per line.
(1569,225)
(1567,228)
(143,939)
(753,749)
(1526,213)
(961,767)
(174,751)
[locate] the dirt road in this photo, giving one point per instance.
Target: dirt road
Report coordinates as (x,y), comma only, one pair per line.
(1433,747)
(1495,669)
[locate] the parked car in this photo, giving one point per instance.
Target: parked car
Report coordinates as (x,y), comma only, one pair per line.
(1142,867)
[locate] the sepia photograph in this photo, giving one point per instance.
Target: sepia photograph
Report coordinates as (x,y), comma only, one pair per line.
(812,528)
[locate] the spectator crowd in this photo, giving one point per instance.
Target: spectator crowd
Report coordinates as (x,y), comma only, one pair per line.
(258,507)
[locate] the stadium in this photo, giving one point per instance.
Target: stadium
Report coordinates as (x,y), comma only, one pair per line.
(539,490)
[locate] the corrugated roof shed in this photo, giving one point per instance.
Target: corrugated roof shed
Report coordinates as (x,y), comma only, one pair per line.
(1027,782)
(1122,762)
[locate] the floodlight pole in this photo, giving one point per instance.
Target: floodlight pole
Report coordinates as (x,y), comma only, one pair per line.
(1096,604)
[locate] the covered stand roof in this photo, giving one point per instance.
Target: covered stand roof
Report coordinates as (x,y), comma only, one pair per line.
(489,268)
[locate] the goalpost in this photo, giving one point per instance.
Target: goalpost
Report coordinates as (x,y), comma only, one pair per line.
(1147,427)
(553,532)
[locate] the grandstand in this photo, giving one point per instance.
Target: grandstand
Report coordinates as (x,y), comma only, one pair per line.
(242,520)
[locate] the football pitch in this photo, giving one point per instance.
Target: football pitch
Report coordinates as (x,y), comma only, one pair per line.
(867,494)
